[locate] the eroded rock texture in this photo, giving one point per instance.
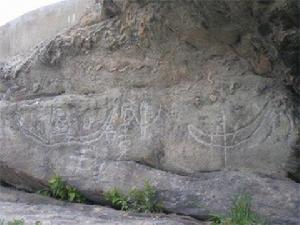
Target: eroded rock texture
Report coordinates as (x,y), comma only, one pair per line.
(154,90)
(33,208)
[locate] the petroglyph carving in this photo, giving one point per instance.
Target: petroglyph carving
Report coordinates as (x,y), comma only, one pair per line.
(250,135)
(114,125)
(148,117)
(60,121)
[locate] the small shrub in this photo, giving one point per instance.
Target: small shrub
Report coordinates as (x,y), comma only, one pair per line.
(240,214)
(216,219)
(143,201)
(117,199)
(16,222)
(60,190)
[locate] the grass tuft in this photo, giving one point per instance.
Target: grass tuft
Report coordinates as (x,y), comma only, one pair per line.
(117,199)
(60,190)
(143,201)
(16,222)
(240,214)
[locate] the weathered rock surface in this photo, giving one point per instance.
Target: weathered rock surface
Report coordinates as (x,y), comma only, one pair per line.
(32,208)
(165,91)
(174,107)
(276,200)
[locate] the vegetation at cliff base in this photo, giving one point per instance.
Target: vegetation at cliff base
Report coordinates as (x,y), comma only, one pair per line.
(60,190)
(17,222)
(138,200)
(14,222)
(240,213)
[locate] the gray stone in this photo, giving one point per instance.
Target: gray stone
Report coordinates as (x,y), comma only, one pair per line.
(194,104)
(277,201)
(147,112)
(33,208)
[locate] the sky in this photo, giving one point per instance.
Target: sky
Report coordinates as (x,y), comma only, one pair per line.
(11,9)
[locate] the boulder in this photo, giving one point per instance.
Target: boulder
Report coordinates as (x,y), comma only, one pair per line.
(32,209)
(277,201)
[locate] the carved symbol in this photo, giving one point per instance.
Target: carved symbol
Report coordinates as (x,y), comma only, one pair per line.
(256,131)
(148,117)
(63,126)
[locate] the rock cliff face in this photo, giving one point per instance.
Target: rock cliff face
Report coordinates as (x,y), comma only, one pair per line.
(201,98)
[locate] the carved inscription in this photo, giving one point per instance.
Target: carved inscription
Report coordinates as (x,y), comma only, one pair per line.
(115,124)
(250,135)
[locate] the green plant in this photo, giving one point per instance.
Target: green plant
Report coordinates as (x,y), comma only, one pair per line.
(60,190)
(144,200)
(216,219)
(240,213)
(16,222)
(117,199)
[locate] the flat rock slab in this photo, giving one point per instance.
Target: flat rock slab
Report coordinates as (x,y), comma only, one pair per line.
(33,208)
(212,193)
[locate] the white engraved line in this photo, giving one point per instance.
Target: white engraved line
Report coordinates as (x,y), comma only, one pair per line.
(257,125)
(259,115)
(30,133)
(273,117)
(99,134)
(144,125)
(225,138)
(192,127)
(88,139)
(154,119)
(230,134)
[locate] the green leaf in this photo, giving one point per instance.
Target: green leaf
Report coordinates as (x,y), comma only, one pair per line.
(59,190)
